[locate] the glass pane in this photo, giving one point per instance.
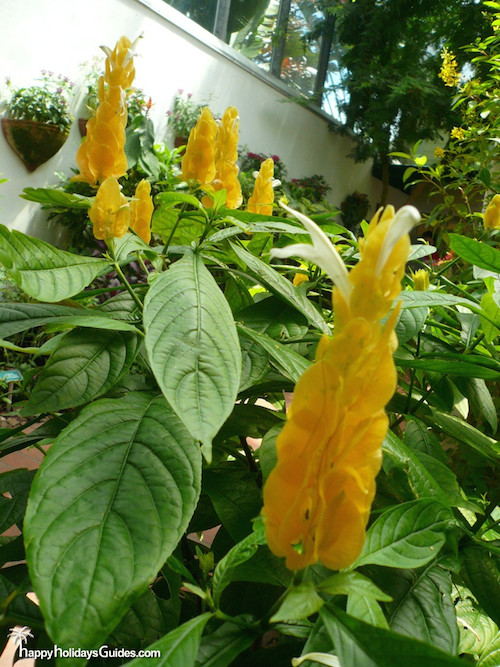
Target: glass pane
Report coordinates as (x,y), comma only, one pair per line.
(252,33)
(200,11)
(335,92)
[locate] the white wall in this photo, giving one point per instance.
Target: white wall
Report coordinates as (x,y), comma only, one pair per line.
(60,35)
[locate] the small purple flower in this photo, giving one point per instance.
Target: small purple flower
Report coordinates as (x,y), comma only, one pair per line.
(189,96)
(180,91)
(59,90)
(275,158)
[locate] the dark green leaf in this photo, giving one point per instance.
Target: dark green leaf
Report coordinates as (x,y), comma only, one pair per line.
(110,502)
(177,649)
(408,535)
(359,644)
(224,645)
(301,601)
(482,575)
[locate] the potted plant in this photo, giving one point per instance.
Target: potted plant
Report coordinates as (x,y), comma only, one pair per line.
(182,118)
(37,119)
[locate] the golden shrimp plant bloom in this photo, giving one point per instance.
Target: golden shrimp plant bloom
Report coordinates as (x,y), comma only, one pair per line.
(141,210)
(317,499)
(101,155)
(492,214)
(262,198)
(226,155)
(198,162)
(110,211)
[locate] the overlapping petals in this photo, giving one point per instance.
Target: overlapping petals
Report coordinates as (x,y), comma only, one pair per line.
(141,211)
(110,212)
(317,499)
(262,198)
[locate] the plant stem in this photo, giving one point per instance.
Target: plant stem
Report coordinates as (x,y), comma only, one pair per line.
(128,286)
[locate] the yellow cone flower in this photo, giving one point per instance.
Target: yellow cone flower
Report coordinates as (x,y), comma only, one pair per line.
(226,155)
(262,197)
(110,212)
(492,214)
(198,162)
(141,210)
(317,499)
(101,155)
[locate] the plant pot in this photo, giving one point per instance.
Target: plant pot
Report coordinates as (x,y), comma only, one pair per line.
(33,142)
(82,126)
(180,141)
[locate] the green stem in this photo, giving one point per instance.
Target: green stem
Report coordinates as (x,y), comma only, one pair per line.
(128,286)
(412,376)
(141,263)
(495,500)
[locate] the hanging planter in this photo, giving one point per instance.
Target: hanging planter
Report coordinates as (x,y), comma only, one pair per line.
(32,141)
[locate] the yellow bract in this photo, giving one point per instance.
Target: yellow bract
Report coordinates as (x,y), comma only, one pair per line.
(421,280)
(141,210)
(492,214)
(198,162)
(317,499)
(101,155)
(262,197)
(109,213)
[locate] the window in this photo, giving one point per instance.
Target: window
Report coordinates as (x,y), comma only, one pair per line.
(290,39)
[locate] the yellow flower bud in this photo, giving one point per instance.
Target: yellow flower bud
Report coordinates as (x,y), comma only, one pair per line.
(141,210)
(300,278)
(262,197)
(492,214)
(420,280)
(110,212)
(198,162)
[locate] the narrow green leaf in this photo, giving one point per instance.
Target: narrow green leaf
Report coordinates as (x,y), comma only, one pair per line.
(289,362)
(43,271)
(465,433)
(109,504)
(52,198)
(193,346)
(17,317)
(359,644)
(412,299)
(452,364)
(177,649)
(407,536)
(475,252)
(279,285)
(82,368)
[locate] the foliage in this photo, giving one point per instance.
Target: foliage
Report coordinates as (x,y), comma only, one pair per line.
(466,175)
(45,103)
(149,401)
(182,118)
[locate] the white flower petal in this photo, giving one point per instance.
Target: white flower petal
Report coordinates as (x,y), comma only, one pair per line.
(322,252)
(404,221)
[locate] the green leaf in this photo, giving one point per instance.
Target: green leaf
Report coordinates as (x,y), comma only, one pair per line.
(490,657)
(477,630)
(177,649)
(423,606)
(224,645)
(275,318)
(418,437)
(174,198)
(280,286)
(490,326)
(359,644)
(366,609)
(187,227)
(44,272)
(291,364)
(240,553)
(17,317)
(475,252)
(465,433)
(482,575)
(301,601)
(254,363)
(193,346)
(109,504)
(52,198)
(82,368)
(407,536)
(420,250)
(346,583)
(410,299)
(410,323)
(267,450)
(452,364)
(236,498)
(482,401)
